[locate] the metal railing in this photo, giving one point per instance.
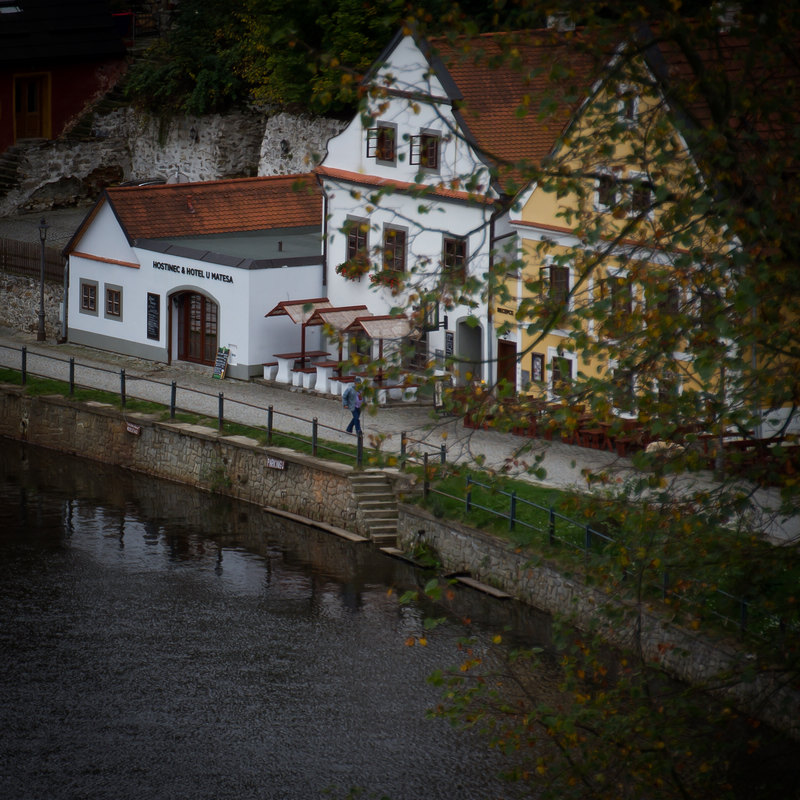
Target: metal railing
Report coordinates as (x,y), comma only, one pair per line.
(746,616)
(216,401)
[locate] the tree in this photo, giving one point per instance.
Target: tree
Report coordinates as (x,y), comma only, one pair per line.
(676,221)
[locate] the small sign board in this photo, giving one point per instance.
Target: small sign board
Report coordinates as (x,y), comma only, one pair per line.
(221,364)
(153,316)
(275,463)
(136,430)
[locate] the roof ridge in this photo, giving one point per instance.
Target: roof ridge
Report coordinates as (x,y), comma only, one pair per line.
(213,183)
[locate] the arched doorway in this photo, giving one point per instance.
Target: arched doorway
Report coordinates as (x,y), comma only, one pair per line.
(197,326)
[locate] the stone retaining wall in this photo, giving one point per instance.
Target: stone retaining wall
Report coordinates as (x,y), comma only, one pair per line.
(321,491)
(694,659)
(127,145)
(20,307)
(190,454)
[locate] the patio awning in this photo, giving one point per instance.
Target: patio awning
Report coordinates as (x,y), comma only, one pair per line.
(338,317)
(384,326)
(299,310)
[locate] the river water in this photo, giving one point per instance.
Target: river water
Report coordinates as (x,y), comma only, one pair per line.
(159,642)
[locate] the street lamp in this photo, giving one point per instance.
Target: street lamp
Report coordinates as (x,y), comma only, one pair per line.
(43,226)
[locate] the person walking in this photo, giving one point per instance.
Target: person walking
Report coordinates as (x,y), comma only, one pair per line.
(351,400)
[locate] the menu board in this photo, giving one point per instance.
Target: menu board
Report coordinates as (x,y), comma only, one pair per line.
(153,316)
(221,364)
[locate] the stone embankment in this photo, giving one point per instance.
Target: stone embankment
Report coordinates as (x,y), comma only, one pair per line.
(323,492)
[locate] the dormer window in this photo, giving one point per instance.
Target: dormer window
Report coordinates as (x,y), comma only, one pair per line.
(382,143)
(425,150)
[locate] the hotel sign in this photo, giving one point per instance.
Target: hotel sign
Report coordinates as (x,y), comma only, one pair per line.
(193,272)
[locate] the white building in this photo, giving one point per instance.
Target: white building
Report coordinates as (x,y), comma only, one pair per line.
(173,272)
(418,184)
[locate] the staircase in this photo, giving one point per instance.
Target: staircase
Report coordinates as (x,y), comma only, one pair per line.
(9,168)
(377,506)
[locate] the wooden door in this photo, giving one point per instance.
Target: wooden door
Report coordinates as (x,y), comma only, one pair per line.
(197,328)
(29,98)
(507,362)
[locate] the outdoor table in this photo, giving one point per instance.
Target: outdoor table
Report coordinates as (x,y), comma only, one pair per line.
(287,361)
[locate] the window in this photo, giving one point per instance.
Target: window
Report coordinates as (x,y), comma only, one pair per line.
(628,105)
(560,374)
(671,300)
(606,192)
(558,285)
(357,230)
(641,196)
(382,143)
(454,258)
(394,249)
(113,302)
(623,390)
(425,150)
(88,297)
(619,289)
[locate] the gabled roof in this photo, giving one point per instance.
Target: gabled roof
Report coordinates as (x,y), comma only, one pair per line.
(212,207)
(509,103)
(506,105)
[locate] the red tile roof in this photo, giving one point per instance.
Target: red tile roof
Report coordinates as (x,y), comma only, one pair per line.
(217,207)
(511,101)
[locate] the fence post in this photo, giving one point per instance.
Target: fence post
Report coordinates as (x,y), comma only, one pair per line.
(513,511)
(314,428)
(24,365)
(587,540)
(173,395)
(742,614)
(220,414)
(402,450)
(468,498)
(360,449)
(426,487)
(72,376)
(269,425)
(552,526)
(444,453)
(122,387)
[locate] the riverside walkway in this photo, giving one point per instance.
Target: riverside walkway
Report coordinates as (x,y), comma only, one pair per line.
(148,380)
(566,466)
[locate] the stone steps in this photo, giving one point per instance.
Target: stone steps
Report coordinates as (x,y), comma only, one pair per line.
(10,161)
(377,506)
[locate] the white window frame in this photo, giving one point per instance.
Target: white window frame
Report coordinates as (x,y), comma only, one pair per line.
(373,136)
(628,97)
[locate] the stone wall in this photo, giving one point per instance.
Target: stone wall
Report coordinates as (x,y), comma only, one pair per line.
(126,145)
(695,659)
(194,455)
(20,307)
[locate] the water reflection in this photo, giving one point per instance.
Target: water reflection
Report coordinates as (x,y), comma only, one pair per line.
(160,642)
